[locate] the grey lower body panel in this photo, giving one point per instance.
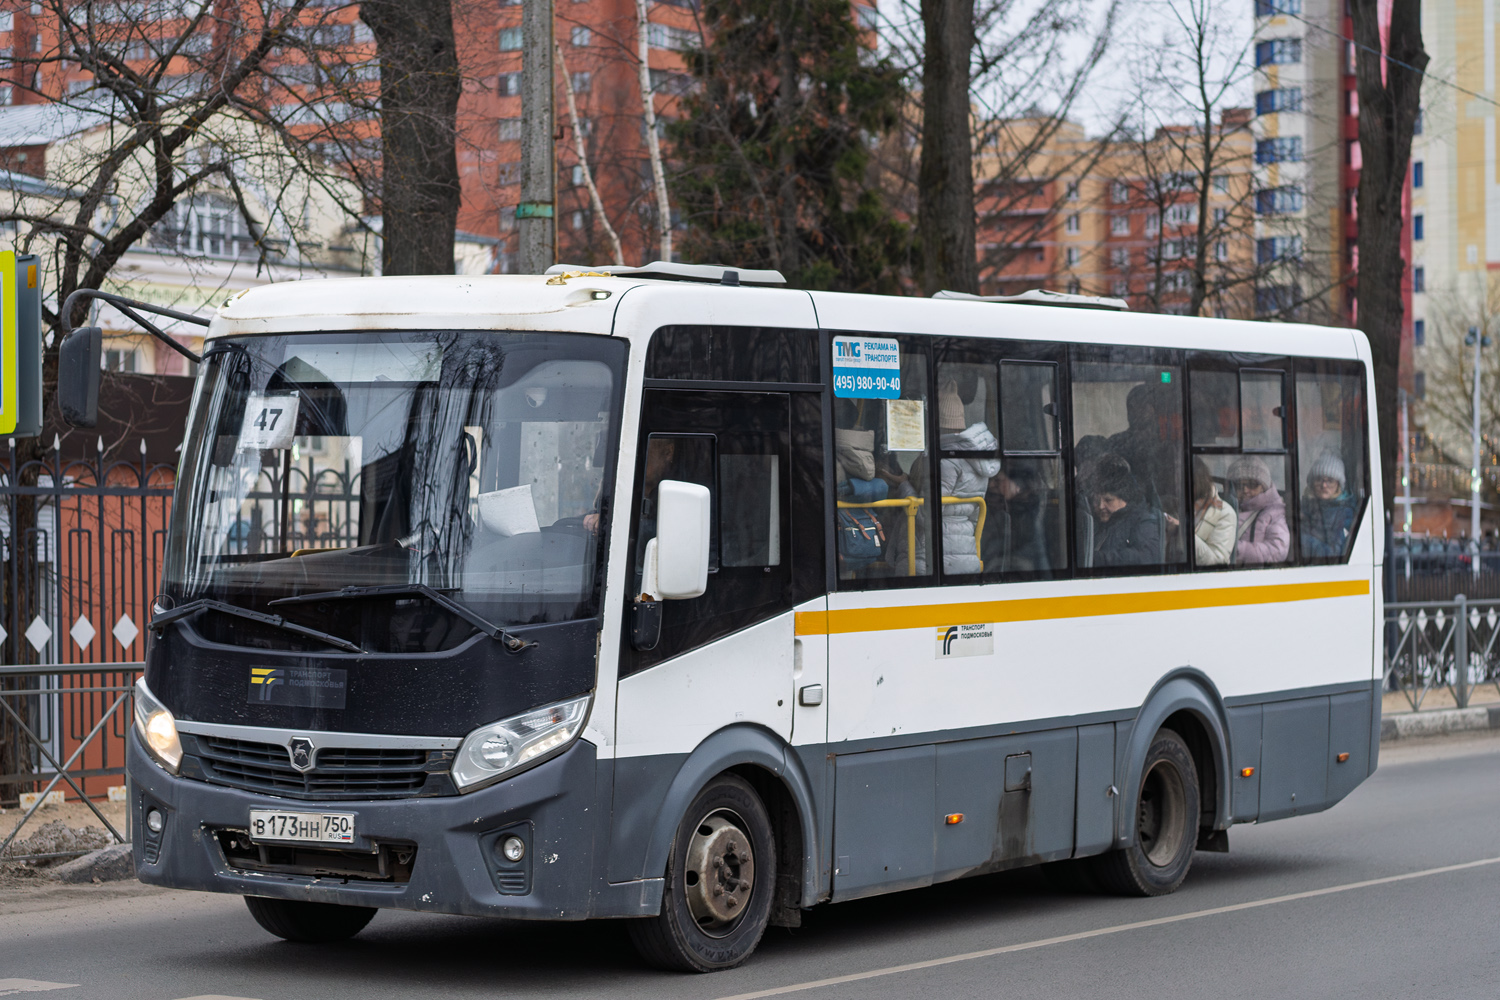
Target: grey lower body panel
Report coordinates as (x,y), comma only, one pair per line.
(879,818)
(454,866)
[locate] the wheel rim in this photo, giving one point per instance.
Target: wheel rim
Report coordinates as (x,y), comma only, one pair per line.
(719,873)
(1159,824)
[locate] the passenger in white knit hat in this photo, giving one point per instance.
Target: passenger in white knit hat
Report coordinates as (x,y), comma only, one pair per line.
(1328,509)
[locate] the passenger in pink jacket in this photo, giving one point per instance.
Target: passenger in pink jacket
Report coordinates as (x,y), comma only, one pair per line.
(1263,536)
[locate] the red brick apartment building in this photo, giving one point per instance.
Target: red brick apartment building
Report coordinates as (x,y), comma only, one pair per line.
(598,42)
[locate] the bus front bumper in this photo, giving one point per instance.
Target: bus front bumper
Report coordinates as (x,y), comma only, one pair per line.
(450,846)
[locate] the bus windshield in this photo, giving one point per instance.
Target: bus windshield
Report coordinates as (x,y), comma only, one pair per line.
(470,462)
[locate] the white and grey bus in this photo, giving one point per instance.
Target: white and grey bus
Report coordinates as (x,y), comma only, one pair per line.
(675,596)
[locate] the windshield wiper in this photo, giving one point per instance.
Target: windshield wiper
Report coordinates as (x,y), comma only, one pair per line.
(275,621)
(513,643)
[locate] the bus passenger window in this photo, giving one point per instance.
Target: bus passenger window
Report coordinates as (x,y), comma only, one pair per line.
(1215,409)
(1241,466)
(1026,532)
(1330,457)
(1260,410)
(970,459)
(884,490)
(1127,428)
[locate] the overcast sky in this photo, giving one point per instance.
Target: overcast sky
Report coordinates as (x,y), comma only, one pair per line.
(1142,30)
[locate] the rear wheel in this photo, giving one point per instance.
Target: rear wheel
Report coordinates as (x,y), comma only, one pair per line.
(309,923)
(721,873)
(1166,828)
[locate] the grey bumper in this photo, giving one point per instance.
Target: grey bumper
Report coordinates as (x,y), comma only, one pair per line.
(554,805)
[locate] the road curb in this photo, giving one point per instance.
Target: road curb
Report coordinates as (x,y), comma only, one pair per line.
(1439,722)
(110,864)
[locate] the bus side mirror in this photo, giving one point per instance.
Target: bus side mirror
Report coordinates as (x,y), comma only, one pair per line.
(682,538)
(676,562)
(78,376)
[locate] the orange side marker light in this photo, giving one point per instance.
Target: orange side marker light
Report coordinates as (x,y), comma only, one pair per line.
(1247,772)
(1342,757)
(953,819)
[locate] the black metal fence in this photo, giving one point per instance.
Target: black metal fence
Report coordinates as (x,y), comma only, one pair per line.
(1443,645)
(68,729)
(82,545)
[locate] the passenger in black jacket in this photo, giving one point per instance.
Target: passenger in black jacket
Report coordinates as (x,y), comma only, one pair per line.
(1127,531)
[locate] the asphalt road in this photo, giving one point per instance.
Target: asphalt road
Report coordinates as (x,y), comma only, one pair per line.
(1393,893)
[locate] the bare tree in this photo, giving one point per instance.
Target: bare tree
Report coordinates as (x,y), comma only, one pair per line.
(419,91)
(1446,408)
(653,141)
(945,179)
(580,149)
(171,106)
(1197,71)
(999,81)
(1389,81)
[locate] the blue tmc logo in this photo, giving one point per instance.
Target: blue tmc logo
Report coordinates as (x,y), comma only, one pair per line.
(847,349)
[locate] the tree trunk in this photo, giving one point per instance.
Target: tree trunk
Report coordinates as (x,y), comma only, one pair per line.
(945,179)
(419,88)
(1389,96)
(653,142)
(787,100)
(580,149)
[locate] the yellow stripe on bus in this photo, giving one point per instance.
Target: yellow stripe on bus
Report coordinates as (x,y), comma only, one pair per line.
(1044,608)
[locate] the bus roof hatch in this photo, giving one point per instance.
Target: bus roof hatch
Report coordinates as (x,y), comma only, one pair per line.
(1042,297)
(715,274)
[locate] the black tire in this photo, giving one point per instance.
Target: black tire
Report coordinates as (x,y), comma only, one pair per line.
(726,830)
(309,923)
(1166,832)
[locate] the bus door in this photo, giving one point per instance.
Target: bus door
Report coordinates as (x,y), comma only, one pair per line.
(727,656)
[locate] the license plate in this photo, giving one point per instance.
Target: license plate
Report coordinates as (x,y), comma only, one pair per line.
(302,827)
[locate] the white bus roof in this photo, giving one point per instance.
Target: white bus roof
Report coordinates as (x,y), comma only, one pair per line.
(589,304)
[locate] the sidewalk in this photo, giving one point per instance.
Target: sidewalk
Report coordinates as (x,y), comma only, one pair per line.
(1440,714)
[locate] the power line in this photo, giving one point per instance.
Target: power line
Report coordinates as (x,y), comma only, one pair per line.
(1395,62)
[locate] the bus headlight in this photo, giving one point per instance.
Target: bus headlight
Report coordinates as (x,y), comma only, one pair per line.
(490,752)
(157,728)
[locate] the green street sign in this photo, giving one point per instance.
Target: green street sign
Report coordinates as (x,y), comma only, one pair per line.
(20,344)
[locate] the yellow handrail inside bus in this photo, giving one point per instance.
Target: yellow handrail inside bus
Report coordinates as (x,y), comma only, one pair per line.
(978,528)
(911,504)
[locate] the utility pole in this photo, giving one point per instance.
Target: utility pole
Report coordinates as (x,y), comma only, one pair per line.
(535,215)
(1475,340)
(1405,461)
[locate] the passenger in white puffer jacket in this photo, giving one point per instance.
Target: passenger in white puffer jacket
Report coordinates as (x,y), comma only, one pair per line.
(965,477)
(1213,520)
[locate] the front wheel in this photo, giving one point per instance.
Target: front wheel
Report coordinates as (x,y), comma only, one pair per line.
(309,923)
(721,874)
(1166,829)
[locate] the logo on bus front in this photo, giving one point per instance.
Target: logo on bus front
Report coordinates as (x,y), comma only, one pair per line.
(299,687)
(965,640)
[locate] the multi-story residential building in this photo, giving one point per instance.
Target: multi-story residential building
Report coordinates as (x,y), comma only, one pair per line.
(327,81)
(1451,223)
(1305,156)
(1121,218)
(1454,226)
